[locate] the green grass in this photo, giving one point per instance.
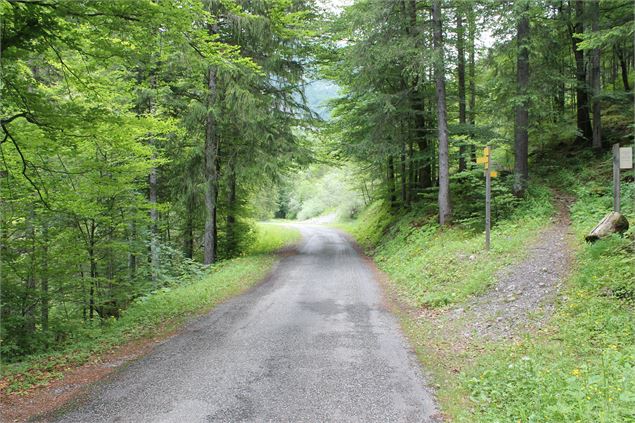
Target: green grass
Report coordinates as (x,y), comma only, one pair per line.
(581,366)
(273,235)
(160,312)
(433,267)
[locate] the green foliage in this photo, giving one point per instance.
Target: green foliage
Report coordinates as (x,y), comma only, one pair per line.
(150,314)
(323,189)
(434,267)
(370,226)
(271,236)
(99,95)
(577,368)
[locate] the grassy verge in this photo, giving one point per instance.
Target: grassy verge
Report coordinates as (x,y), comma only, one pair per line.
(434,268)
(160,312)
(579,368)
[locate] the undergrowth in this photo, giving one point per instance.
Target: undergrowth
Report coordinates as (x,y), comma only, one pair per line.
(581,366)
(436,267)
(156,313)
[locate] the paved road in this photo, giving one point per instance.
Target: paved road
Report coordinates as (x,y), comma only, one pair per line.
(313,343)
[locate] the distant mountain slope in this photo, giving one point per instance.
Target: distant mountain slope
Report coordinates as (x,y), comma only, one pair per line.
(318,93)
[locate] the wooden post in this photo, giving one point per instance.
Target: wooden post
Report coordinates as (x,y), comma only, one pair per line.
(616,178)
(488,197)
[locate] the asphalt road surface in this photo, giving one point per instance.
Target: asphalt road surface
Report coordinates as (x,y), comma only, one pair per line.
(314,343)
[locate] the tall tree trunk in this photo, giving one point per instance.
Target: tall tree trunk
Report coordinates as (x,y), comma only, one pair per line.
(154,213)
(402,157)
(391,182)
(154,223)
(613,68)
(30,293)
(460,49)
(211,171)
(44,279)
(421,136)
(583,120)
(132,256)
(595,79)
(521,144)
(424,165)
(412,174)
(445,209)
(561,92)
(188,238)
(93,270)
(232,207)
(471,29)
(624,68)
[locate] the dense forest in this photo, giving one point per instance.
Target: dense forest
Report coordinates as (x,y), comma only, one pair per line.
(135,136)
(426,86)
(142,139)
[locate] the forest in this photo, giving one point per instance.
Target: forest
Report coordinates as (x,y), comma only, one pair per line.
(143,140)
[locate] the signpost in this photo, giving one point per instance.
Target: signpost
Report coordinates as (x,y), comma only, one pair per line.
(489,174)
(488,196)
(622,159)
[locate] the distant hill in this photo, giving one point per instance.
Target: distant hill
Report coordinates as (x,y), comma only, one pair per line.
(318,93)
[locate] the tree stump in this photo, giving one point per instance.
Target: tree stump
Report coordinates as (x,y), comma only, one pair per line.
(613,222)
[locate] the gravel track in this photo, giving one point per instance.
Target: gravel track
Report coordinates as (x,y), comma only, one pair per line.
(524,295)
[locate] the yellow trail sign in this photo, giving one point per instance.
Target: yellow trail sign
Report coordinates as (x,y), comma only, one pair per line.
(481,160)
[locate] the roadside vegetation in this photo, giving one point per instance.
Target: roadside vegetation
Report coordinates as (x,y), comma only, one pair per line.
(140,139)
(155,314)
(580,365)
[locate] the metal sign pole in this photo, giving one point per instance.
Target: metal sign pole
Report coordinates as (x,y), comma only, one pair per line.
(488,197)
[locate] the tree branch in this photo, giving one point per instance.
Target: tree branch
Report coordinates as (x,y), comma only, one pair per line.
(24,164)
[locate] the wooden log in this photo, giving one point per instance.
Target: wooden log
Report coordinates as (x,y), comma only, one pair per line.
(613,222)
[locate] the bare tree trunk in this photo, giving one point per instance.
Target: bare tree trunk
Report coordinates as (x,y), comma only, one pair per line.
(561,94)
(521,144)
(584,122)
(624,68)
(132,256)
(44,280)
(595,79)
(404,199)
(471,28)
(412,174)
(445,209)
(232,207)
(188,242)
(30,294)
(614,68)
(391,182)
(460,49)
(154,213)
(211,171)
(93,270)
(154,226)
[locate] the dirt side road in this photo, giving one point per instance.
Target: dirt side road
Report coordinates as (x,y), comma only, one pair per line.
(313,343)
